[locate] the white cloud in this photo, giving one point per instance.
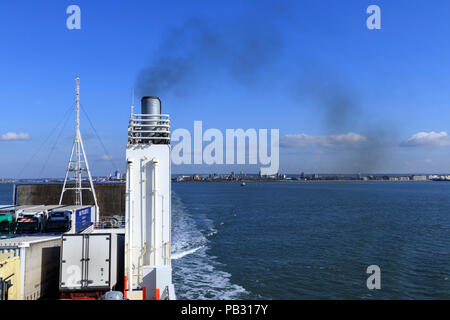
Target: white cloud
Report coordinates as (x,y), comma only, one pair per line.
(427,139)
(106,157)
(340,140)
(13,136)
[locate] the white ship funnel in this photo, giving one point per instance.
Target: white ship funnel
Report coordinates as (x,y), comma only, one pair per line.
(148,269)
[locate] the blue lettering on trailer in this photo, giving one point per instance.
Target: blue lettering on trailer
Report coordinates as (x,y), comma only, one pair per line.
(82,219)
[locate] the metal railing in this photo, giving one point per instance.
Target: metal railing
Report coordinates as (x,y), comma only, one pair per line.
(149,129)
(109,223)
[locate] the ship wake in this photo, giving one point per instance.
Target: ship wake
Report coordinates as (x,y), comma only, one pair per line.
(197,275)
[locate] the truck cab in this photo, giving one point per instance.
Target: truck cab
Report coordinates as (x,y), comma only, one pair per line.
(59,221)
(69,219)
(7,221)
(8,217)
(30,222)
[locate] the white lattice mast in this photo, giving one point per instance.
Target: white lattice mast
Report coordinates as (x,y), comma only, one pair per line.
(78,163)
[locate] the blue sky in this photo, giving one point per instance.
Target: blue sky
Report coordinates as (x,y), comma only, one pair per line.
(309,68)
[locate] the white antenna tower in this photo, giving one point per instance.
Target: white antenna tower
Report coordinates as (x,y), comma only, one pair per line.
(78,164)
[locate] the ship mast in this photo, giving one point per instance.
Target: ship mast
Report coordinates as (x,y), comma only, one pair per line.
(78,163)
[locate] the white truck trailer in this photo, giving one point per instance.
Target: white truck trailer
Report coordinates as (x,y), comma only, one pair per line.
(91,263)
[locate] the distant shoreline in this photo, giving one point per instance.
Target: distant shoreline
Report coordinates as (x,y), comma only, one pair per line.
(252,180)
(301,181)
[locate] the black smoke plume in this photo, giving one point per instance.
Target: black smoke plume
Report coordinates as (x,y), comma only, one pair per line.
(195,53)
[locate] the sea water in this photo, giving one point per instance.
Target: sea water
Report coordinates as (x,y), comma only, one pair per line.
(308,240)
